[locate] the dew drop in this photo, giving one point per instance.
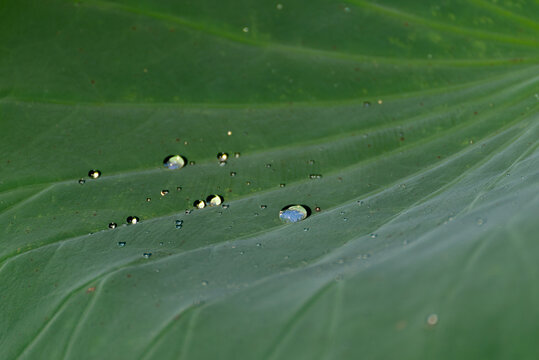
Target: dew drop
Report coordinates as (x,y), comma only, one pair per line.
(293,213)
(374,236)
(82,181)
(263,206)
(199,204)
(280,7)
(222,163)
(480,221)
(187,212)
(232,173)
(245,29)
(147,255)
(222,156)
(305,229)
(258,244)
(268,165)
(229,132)
(192,163)
(148,199)
(179,188)
(225,206)
(242,252)
(282,185)
(247,183)
(311,162)
(315,176)
(164,192)
(179,224)
(174,162)
(366,104)
(204,283)
(121,243)
(432,319)
(214,200)
(112,225)
(132,219)
(317,209)
(237,155)
(94,174)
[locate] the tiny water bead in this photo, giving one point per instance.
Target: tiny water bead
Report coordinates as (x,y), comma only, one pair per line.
(293,213)
(315,176)
(94,174)
(222,163)
(82,181)
(179,188)
(214,200)
(225,206)
(366,104)
(268,165)
(121,243)
(232,173)
(164,192)
(179,224)
(374,236)
(229,133)
(148,199)
(222,157)
(282,185)
(204,283)
(317,209)
(192,163)
(147,255)
(132,219)
(112,225)
(311,162)
(199,204)
(263,206)
(480,221)
(174,162)
(432,319)
(237,155)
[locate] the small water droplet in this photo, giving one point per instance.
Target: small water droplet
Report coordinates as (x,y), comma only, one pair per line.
(232,173)
(192,163)
(174,162)
(268,165)
(344,219)
(237,155)
(245,29)
(347,9)
(132,220)
(256,214)
(199,204)
(225,206)
(247,183)
(342,212)
(280,7)
(229,132)
(147,255)
(242,252)
(282,185)
(317,209)
(263,206)
(366,104)
(360,202)
(121,243)
(164,192)
(311,162)
(380,101)
(293,213)
(222,156)
(161,243)
(258,244)
(187,212)
(432,319)
(179,188)
(112,225)
(480,221)
(374,236)
(94,174)
(82,181)
(214,200)
(148,199)
(315,176)
(305,229)
(222,163)
(204,283)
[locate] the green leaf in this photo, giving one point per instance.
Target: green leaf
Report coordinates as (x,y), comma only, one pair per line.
(421,117)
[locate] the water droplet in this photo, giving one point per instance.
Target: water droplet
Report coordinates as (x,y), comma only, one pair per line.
(192,163)
(174,162)
(200,204)
(315,176)
(161,243)
(164,192)
(311,162)
(132,219)
(480,221)
(214,200)
(179,188)
(282,185)
(204,283)
(247,183)
(268,165)
(344,219)
(258,244)
(222,156)
(225,206)
(245,29)
(256,214)
(293,213)
(305,229)
(222,163)
(432,319)
(317,209)
(232,173)
(82,181)
(342,212)
(229,132)
(242,252)
(121,243)
(380,101)
(94,174)
(347,9)
(374,236)
(366,104)
(147,255)
(112,225)
(280,7)
(148,199)
(179,224)
(187,212)
(237,155)
(361,202)
(263,206)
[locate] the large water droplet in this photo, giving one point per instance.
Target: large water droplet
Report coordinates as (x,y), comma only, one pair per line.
(214,200)
(174,162)
(132,219)
(94,174)
(199,204)
(293,213)
(222,157)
